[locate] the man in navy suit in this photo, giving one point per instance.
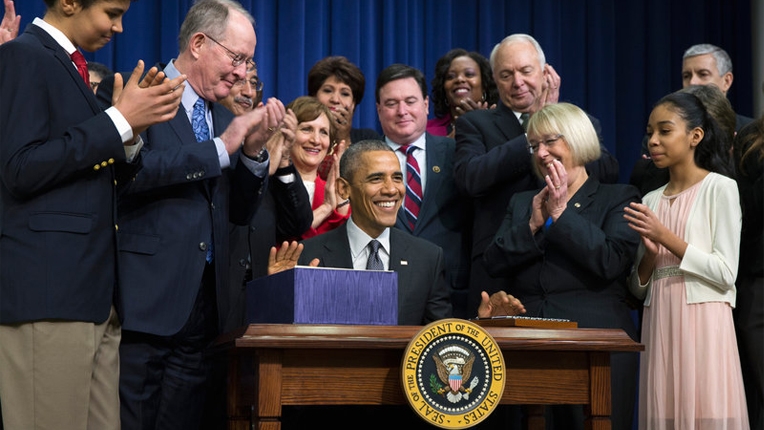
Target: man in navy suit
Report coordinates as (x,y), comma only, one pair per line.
(200,171)
(444,216)
(62,160)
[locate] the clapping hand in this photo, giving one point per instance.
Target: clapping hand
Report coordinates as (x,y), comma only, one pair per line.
(499,304)
(9,26)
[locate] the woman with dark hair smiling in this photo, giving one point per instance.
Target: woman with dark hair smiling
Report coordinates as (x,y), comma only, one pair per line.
(339,84)
(463,82)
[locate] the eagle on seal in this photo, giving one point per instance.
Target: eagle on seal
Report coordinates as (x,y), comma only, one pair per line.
(454,366)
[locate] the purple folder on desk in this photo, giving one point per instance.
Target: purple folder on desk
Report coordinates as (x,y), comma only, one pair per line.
(318,295)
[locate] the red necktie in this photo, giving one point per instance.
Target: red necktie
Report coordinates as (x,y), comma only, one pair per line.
(413,200)
(82,66)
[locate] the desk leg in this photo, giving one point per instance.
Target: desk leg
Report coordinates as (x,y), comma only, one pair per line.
(598,410)
(267,410)
(534,417)
(238,406)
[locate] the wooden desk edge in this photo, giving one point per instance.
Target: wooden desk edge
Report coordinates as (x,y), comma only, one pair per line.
(328,336)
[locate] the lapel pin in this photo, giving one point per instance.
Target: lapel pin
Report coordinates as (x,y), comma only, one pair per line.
(404,263)
(436,169)
(578,205)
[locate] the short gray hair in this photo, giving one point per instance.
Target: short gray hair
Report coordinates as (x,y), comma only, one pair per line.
(518,37)
(209,17)
(723,61)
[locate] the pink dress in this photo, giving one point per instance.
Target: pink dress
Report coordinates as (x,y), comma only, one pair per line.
(690,376)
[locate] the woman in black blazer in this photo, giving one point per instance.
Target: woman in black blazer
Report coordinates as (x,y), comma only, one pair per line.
(566,249)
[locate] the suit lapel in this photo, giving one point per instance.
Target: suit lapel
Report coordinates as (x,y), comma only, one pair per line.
(58,52)
(506,122)
(435,154)
(337,249)
(400,257)
(182,127)
(583,198)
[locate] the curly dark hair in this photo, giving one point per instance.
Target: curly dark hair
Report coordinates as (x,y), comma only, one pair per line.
(342,69)
(439,99)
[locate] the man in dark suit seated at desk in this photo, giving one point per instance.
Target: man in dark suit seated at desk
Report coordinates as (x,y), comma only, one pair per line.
(371,177)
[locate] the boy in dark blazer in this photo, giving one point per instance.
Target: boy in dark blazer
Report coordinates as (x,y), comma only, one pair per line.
(62,160)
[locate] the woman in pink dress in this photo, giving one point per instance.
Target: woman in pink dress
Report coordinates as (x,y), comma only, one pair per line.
(690,375)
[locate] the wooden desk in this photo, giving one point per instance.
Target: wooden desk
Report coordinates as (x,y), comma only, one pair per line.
(273,365)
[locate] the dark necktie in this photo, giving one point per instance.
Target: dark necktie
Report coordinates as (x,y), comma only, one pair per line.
(202,132)
(199,121)
(413,200)
(374,262)
(524,120)
(82,66)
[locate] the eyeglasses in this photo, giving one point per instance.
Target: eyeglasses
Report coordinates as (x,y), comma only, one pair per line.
(236,59)
(254,82)
(533,145)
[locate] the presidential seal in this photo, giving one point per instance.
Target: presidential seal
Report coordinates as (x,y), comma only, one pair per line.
(453,373)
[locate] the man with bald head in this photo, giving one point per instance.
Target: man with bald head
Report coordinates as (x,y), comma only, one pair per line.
(202,169)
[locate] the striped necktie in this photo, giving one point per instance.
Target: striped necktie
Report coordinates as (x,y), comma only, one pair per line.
(413,200)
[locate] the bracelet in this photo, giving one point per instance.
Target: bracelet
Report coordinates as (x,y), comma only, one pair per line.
(343,203)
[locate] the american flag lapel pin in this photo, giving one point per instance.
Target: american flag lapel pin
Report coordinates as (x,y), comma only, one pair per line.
(404,263)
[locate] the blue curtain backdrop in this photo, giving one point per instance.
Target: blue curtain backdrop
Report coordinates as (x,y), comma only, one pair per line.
(616,58)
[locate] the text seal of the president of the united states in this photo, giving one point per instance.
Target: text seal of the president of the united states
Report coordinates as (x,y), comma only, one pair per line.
(453,373)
